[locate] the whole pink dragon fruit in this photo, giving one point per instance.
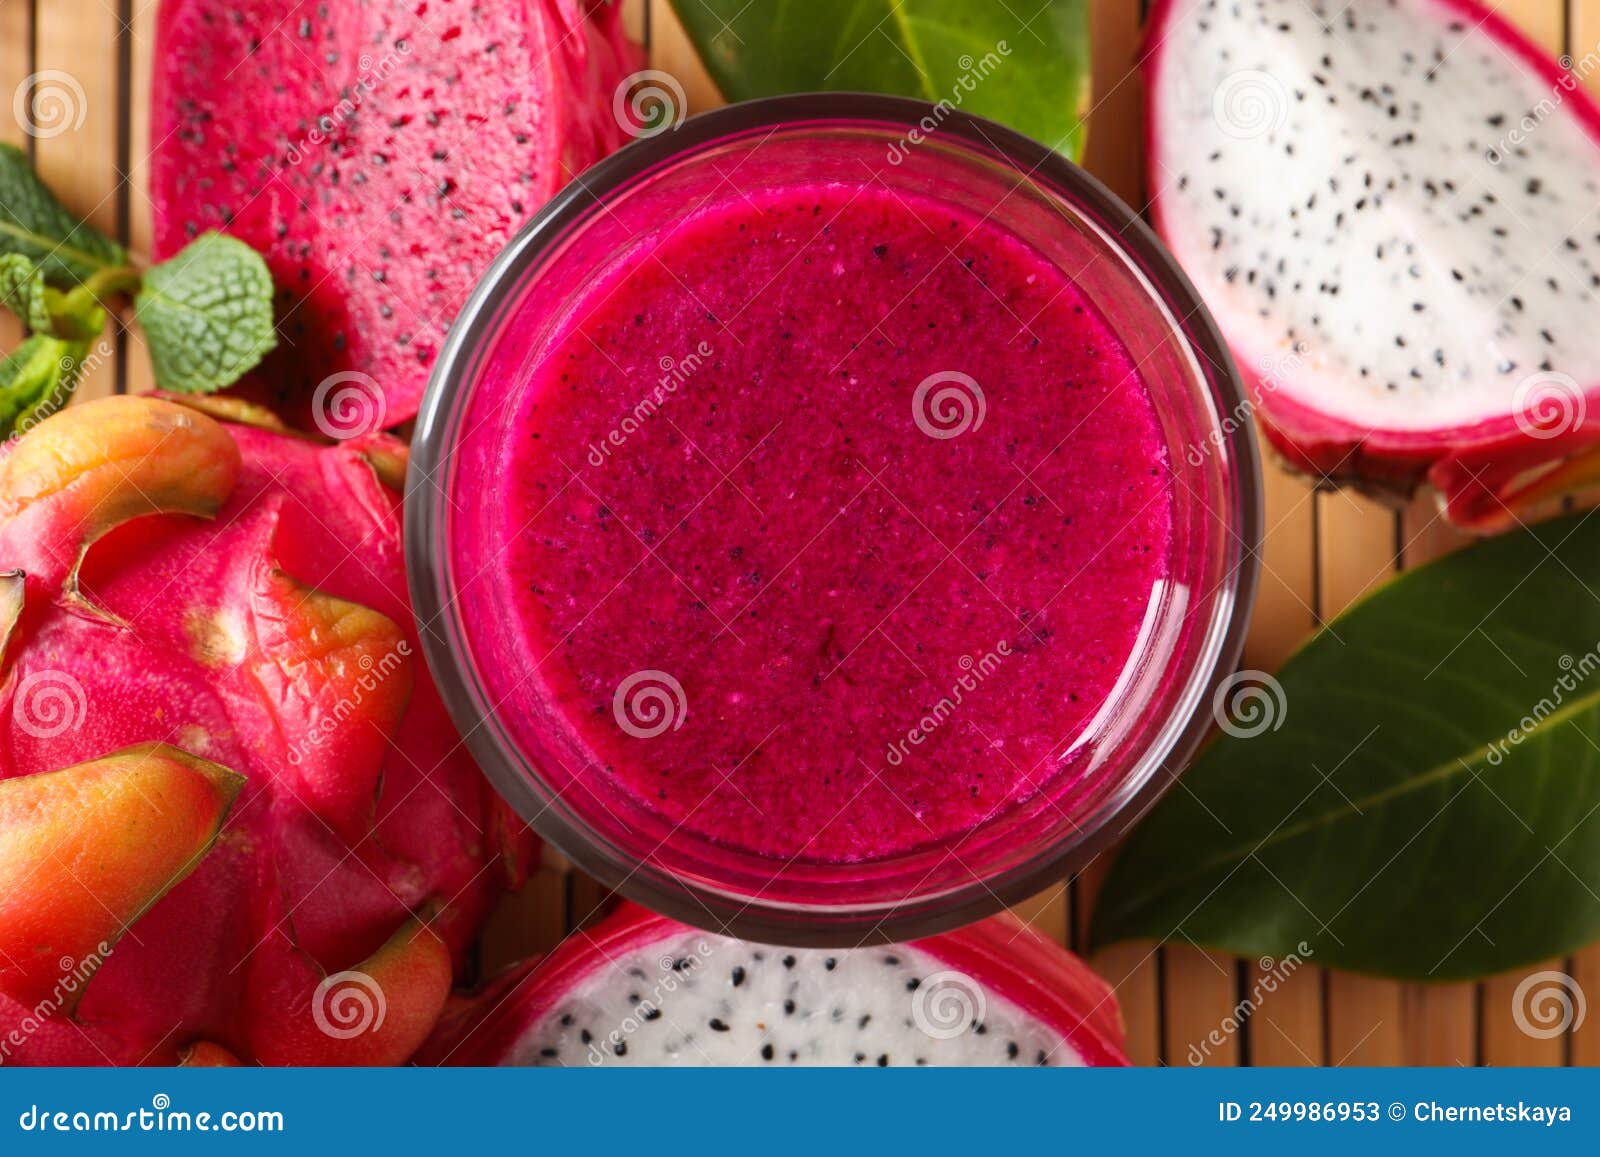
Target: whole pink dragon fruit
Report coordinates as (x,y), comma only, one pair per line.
(379,153)
(234,819)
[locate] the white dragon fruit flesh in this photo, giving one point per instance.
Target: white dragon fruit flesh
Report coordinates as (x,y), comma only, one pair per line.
(644,990)
(1390,207)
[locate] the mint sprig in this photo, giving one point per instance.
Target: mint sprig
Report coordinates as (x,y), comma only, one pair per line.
(206,312)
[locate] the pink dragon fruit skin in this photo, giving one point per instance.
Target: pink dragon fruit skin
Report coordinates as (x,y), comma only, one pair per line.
(271,635)
(379,153)
(1491,466)
(641,988)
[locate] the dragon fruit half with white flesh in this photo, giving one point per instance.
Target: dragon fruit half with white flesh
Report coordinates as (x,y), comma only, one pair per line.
(641,989)
(1390,208)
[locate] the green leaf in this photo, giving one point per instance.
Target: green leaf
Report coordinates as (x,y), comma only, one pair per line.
(77,314)
(22,291)
(36,225)
(207,314)
(37,379)
(1026,66)
(1423,801)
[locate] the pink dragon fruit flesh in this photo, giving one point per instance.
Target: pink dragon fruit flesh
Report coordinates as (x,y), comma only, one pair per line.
(379,153)
(1389,207)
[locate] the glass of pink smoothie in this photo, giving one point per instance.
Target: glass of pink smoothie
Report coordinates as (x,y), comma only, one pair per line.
(832,519)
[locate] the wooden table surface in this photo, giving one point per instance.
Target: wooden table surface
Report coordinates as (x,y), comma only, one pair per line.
(1322,551)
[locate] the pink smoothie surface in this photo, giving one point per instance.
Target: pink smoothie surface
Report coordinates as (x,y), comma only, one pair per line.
(850,618)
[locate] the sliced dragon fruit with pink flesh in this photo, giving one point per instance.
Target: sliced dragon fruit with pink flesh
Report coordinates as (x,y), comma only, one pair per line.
(641,989)
(1389,207)
(379,153)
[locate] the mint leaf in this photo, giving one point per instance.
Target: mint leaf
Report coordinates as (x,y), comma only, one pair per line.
(34,224)
(36,380)
(22,291)
(207,314)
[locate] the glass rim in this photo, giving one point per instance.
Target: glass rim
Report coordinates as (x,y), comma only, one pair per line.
(1217,647)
